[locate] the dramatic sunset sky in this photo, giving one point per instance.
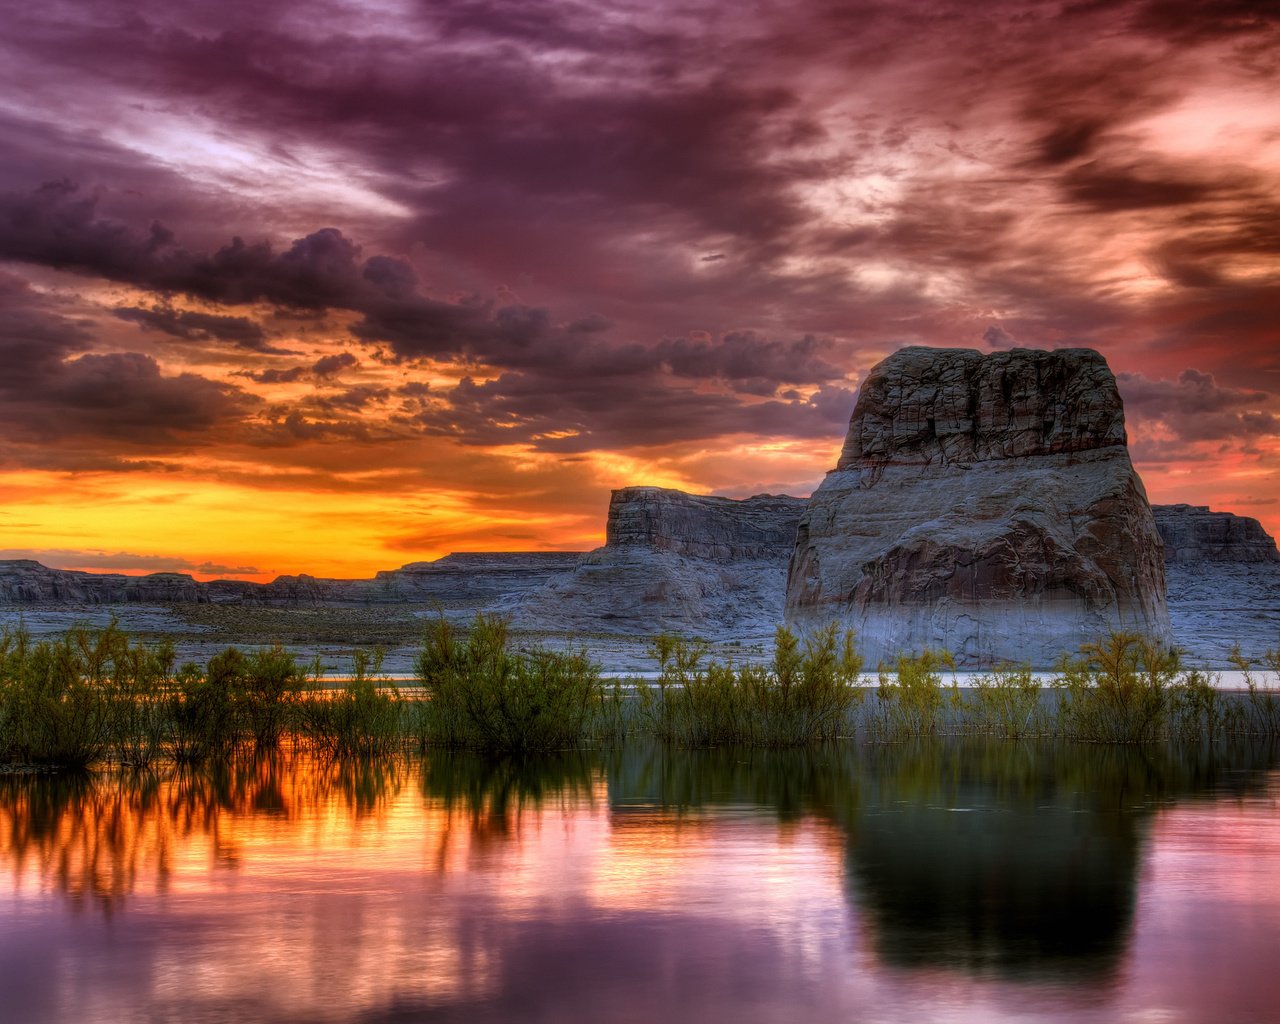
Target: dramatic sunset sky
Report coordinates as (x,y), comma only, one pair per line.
(331,287)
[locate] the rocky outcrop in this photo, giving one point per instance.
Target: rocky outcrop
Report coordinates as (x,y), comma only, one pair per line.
(698,526)
(463,579)
(982,503)
(1223,578)
(676,561)
(23,581)
(1195,534)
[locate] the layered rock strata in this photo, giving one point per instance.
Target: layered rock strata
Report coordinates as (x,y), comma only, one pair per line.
(468,579)
(1195,534)
(1223,577)
(676,561)
(985,504)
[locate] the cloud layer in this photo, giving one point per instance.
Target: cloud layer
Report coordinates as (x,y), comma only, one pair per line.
(381,239)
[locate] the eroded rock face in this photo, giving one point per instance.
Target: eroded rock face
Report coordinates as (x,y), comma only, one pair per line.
(479,581)
(1223,577)
(985,504)
(23,581)
(1194,533)
(676,561)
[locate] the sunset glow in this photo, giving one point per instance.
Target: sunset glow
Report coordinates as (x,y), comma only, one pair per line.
(335,291)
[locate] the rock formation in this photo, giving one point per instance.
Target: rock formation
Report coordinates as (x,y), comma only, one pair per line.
(985,504)
(1223,576)
(676,561)
(23,581)
(1193,533)
(475,580)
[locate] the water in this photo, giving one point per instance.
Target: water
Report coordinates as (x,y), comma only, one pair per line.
(964,882)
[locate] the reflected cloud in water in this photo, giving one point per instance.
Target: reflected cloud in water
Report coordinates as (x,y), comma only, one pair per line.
(948,882)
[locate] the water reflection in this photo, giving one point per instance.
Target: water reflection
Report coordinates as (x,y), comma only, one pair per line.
(636,884)
(93,837)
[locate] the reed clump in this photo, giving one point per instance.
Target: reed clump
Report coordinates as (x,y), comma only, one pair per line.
(364,719)
(910,704)
(1262,712)
(1127,688)
(807,693)
(482,694)
(239,698)
(86,695)
(57,694)
(95,694)
(1005,703)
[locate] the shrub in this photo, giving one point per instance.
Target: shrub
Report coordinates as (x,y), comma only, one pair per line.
(910,703)
(482,695)
(1263,701)
(1196,710)
(363,719)
(806,694)
(1006,703)
(58,710)
(1119,690)
(136,692)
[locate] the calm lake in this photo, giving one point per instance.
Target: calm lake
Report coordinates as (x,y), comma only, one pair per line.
(977,881)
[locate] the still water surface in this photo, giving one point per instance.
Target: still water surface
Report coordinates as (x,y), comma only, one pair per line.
(970,882)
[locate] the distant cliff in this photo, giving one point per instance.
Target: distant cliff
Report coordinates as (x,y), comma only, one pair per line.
(1194,533)
(676,561)
(468,578)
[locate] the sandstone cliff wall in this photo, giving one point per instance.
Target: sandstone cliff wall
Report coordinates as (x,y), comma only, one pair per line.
(480,580)
(676,561)
(1194,533)
(985,504)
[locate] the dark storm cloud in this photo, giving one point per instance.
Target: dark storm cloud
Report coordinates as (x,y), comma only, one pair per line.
(329,366)
(123,396)
(652,175)
(354,398)
(277,376)
(1109,189)
(1195,407)
(578,415)
(239,330)
(54,392)
(750,362)
(1192,21)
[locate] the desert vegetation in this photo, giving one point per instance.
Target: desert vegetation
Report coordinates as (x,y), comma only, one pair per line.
(95,695)
(807,693)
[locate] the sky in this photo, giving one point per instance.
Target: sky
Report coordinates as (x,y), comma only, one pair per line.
(332,287)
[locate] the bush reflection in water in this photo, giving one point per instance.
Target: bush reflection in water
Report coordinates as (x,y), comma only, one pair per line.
(979,855)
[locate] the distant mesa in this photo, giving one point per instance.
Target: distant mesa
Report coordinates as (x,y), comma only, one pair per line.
(985,504)
(676,561)
(470,580)
(1194,533)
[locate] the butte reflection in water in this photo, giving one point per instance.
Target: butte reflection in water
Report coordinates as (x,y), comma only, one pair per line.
(638,883)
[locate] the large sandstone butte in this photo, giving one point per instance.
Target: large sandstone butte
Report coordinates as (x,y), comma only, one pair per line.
(676,561)
(985,504)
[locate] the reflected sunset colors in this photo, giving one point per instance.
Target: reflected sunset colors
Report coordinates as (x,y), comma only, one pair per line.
(943,883)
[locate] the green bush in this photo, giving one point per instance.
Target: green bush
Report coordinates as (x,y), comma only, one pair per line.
(136,692)
(1196,709)
(58,704)
(481,694)
(1119,690)
(910,703)
(806,694)
(363,719)
(1005,702)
